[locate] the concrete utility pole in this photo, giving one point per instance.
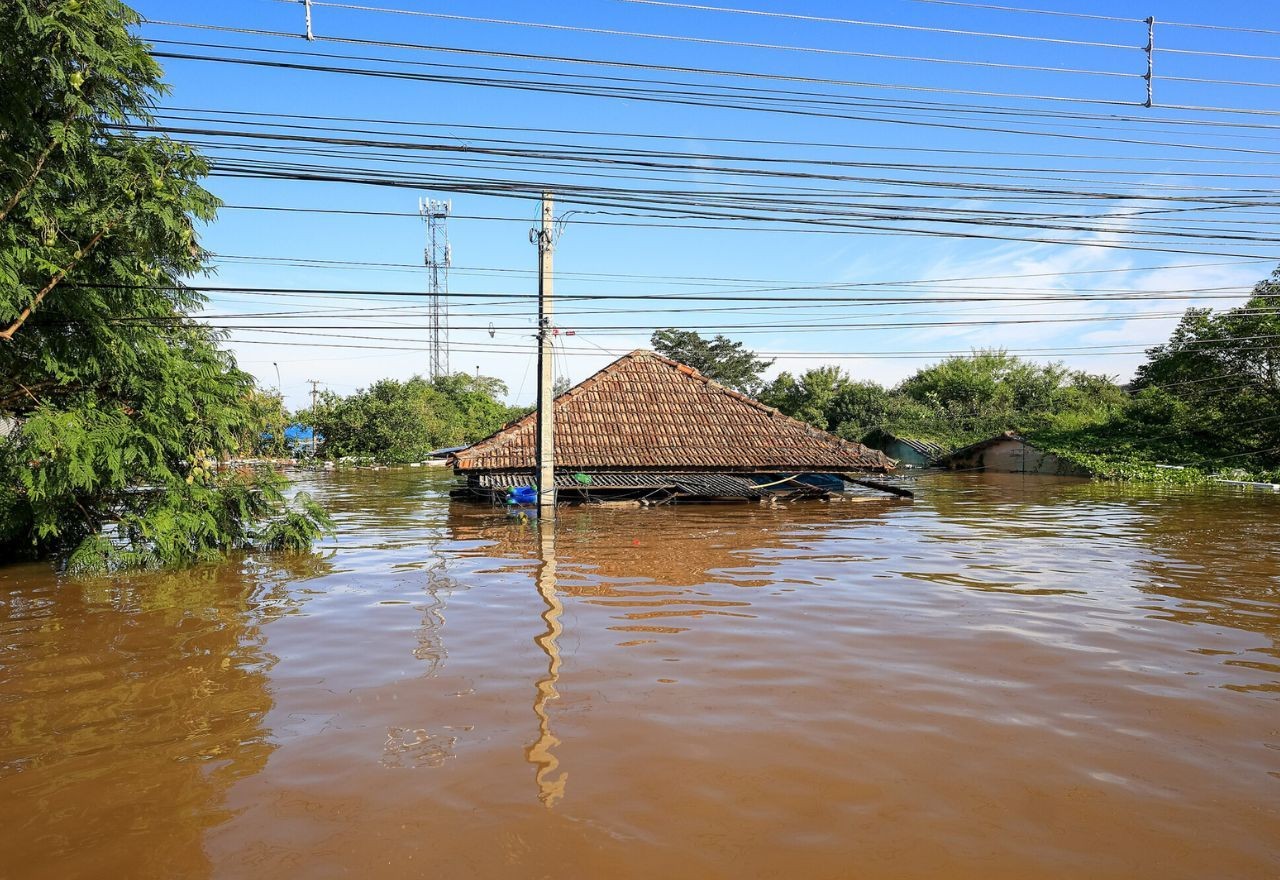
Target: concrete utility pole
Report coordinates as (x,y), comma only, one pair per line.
(544,237)
(315,383)
(281,446)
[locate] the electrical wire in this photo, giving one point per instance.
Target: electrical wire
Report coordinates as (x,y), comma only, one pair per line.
(645,66)
(825,19)
(711,41)
(583,153)
(783,284)
(709,296)
(693,94)
(510,348)
(1054,12)
(162,110)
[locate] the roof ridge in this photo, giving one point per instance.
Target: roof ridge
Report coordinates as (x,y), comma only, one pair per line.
(511,439)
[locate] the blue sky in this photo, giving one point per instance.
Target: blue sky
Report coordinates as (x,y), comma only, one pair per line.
(486,251)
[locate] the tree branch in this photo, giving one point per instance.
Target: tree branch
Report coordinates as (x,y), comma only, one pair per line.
(7,333)
(35,171)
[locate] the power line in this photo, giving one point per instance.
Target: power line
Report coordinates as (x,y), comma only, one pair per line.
(841,145)
(648,158)
(736,296)
(815,50)
(1221,228)
(999,8)
(696,95)
(1221,27)
(638,65)
(740,280)
(772,329)
(1096,17)
(512,348)
(781,101)
(677,205)
(824,19)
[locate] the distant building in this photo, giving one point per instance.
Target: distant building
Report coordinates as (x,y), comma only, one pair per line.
(906,450)
(647,427)
(1011,453)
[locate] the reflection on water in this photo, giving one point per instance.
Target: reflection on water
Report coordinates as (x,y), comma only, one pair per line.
(550,788)
(130,706)
(1009,677)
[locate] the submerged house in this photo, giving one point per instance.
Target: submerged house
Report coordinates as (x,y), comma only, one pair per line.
(1011,453)
(908,451)
(646,428)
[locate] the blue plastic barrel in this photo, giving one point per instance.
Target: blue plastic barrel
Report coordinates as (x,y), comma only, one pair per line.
(522,495)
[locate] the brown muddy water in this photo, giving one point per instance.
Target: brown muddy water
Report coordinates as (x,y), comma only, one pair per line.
(1008,678)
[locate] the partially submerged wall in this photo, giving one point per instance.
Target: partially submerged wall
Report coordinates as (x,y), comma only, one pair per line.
(1015,457)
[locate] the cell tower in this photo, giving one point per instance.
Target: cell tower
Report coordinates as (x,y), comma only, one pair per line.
(437,255)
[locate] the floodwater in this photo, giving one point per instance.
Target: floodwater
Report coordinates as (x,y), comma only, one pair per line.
(1011,677)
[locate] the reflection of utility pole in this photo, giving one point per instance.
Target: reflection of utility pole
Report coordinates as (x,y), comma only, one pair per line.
(314,393)
(539,753)
(545,239)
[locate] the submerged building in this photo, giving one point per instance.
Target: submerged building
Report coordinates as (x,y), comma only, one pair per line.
(1011,453)
(648,428)
(909,451)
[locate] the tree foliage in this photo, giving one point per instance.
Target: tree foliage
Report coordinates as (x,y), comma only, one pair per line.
(1240,345)
(956,401)
(729,363)
(115,406)
(1209,399)
(396,422)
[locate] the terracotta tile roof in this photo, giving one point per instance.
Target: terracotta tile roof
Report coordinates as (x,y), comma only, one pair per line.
(646,411)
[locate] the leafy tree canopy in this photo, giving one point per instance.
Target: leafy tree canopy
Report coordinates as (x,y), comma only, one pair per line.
(955,401)
(1209,397)
(828,398)
(729,363)
(1240,345)
(115,407)
(397,422)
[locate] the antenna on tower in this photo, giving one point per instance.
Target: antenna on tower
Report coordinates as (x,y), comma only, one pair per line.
(438,256)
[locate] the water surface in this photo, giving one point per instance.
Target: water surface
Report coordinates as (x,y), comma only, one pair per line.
(1011,677)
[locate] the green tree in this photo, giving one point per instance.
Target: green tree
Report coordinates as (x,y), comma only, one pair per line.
(397,422)
(1221,372)
(987,379)
(115,407)
(988,392)
(809,398)
(859,408)
(729,363)
(1241,344)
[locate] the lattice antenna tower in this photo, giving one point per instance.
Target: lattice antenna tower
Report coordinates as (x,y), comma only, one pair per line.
(438,256)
